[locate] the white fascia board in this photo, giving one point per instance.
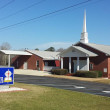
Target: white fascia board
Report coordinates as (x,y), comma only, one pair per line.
(11,52)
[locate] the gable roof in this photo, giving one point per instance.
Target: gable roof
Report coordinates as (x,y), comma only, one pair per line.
(89,53)
(12,52)
(85,51)
(102,48)
(46,55)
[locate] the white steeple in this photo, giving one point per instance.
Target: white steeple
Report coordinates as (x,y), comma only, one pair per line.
(84,34)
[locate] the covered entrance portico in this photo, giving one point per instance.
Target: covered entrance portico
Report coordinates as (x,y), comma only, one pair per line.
(78,59)
(14,53)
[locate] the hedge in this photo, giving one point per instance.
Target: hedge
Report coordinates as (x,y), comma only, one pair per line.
(59,71)
(100,74)
(89,74)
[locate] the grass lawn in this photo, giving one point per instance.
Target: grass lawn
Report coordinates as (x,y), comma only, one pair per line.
(47,98)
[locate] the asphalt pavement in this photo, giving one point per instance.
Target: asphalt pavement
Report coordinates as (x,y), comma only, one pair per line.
(67,84)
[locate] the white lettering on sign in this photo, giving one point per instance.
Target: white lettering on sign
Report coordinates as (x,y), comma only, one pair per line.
(1,79)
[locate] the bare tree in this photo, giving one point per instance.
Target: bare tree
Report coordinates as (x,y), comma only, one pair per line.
(5,46)
(3,57)
(60,50)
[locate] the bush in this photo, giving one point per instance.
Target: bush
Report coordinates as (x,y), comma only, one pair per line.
(60,71)
(87,74)
(100,74)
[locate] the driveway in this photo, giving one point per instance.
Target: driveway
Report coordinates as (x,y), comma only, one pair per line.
(67,84)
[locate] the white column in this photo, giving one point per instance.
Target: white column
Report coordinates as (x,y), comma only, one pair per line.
(69,64)
(9,60)
(87,63)
(77,63)
(61,62)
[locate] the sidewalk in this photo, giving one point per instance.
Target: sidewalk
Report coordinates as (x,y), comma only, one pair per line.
(32,72)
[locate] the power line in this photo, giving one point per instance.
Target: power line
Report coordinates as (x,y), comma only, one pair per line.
(22,22)
(19,11)
(90,4)
(7,4)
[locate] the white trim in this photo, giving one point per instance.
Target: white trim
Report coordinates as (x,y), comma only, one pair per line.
(87,63)
(11,52)
(77,63)
(61,62)
(69,64)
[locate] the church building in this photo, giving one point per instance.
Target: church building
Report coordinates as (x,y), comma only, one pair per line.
(86,56)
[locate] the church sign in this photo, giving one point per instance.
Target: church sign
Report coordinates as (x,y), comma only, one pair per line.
(6,75)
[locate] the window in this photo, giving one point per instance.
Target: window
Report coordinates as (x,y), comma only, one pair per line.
(105,70)
(37,63)
(91,66)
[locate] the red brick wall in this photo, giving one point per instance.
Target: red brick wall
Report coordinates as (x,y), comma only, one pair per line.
(109,67)
(100,62)
(31,60)
(14,61)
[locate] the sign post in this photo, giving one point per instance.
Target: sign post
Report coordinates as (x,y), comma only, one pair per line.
(6,77)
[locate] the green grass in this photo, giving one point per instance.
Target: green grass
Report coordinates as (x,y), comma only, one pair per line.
(47,98)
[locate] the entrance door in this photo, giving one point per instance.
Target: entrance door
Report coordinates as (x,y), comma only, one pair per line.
(25,65)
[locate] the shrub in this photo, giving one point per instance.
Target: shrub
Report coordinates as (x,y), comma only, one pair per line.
(87,74)
(59,71)
(100,74)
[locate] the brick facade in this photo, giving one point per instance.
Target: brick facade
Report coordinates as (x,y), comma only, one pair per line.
(31,62)
(18,62)
(109,67)
(100,62)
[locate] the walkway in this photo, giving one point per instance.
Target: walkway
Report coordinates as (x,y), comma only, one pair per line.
(31,72)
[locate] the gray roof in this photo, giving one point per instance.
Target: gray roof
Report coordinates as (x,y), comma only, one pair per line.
(46,55)
(84,51)
(103,48)
(12,52)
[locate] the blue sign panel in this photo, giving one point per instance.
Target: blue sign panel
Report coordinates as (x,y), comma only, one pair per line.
(6,75)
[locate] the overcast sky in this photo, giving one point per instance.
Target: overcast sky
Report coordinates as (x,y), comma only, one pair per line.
(58,30)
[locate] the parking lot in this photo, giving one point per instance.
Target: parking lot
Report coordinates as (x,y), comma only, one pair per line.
(67,84)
